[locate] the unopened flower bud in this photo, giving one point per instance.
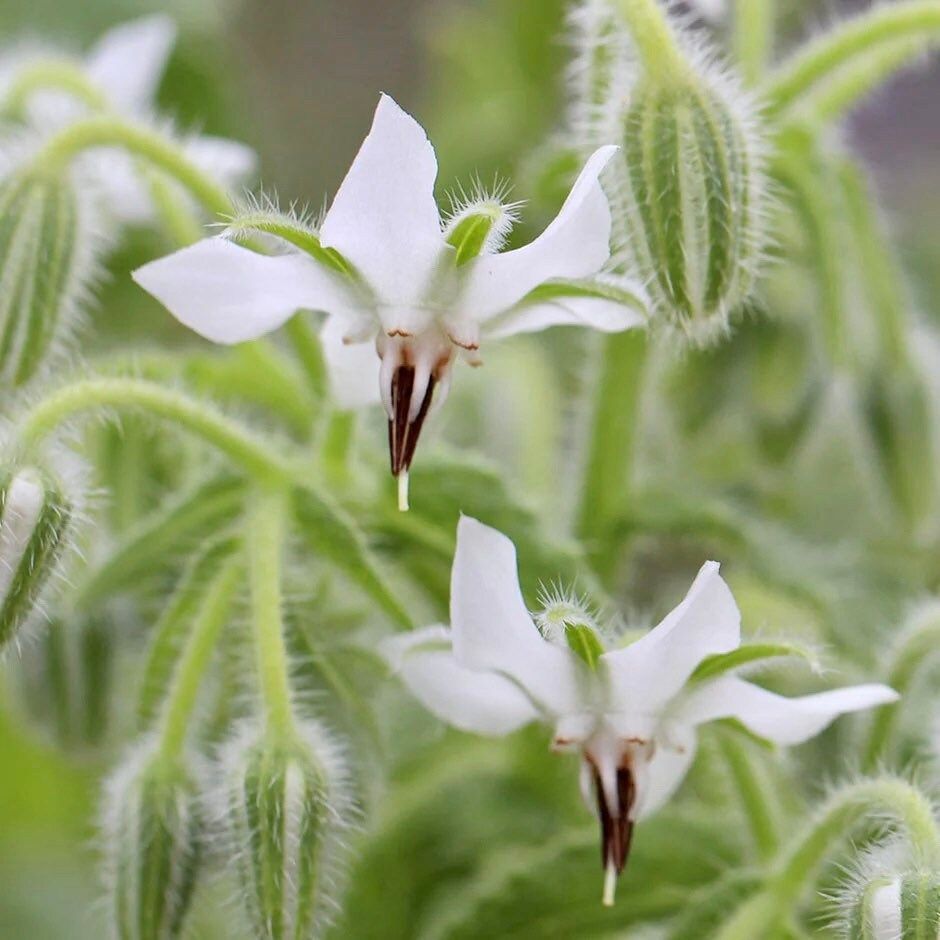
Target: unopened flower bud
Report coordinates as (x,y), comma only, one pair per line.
(286,811)
(690,194)
(46,262)
(35,519)
(65,681)
(152,832)
(890,907)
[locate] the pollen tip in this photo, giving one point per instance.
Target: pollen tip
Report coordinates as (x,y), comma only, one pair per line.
(403,491)
(610,884)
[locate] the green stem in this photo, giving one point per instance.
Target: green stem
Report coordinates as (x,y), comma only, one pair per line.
(188,679)
(753,37)
(254,454)
(851,42)
(152,147)
(654,38)
(52,75)
(608,466)
(307,348)
(883,283)
(180,223)
(916,650)
(752,790)
(337,445)
(267,528)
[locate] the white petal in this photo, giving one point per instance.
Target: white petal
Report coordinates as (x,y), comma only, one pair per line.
(576,244)
(595,312)
(775,717)
(492,629)
(649,672)
(665,772)
(384,218)
(886,911)
(229,294)
(353,367)
(481,702)
(128,62)
(228,161)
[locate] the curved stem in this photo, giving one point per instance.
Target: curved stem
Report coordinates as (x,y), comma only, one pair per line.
(152,147)
(849,43)
(654,38)
(267,533)
(51,75)
(753,37)
(254,454)
(211,618)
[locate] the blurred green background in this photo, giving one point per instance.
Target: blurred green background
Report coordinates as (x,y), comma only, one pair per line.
(298,80)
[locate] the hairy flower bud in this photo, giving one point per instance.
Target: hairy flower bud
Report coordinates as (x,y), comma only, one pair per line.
(889,907)
(65,681)
(690,189)
(286,810)
(46,262)
(35,519)
(152,834)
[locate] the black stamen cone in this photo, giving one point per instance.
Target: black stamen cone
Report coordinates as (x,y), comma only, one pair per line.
(616,832)
(402,434)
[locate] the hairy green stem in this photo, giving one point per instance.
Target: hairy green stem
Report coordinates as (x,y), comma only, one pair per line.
(254,454)
(267,525)
(852,42)
(152,147)
(188,679)
(654,38)
(51,75)
(753,37)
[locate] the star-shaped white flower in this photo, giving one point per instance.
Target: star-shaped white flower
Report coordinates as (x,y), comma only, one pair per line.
(631,712)
(395,278)
(124,69)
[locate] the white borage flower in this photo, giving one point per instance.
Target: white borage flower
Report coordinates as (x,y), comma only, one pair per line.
(388,272)
(631,712)
(120,74)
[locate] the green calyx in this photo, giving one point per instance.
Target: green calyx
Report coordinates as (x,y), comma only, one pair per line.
(35,519)
(153,832)
(691,188)
(584,643)
(479,228)
(283,819)
(45,264)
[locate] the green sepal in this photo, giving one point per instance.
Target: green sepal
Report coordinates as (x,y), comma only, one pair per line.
(584,643)
(713,666)
(153,833)
(920,906)
(469,234)
(46,259)
(620,290)
(31,557)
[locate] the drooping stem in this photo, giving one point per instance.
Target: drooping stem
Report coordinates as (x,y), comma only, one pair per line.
(199,418)
(152,147)
(753,793)
(854,41)
(753,37)
(188,679)
(267,527)
(51,75)
(654,38)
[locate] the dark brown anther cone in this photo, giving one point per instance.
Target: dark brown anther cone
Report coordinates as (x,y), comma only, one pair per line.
(402,434)
(616,831)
